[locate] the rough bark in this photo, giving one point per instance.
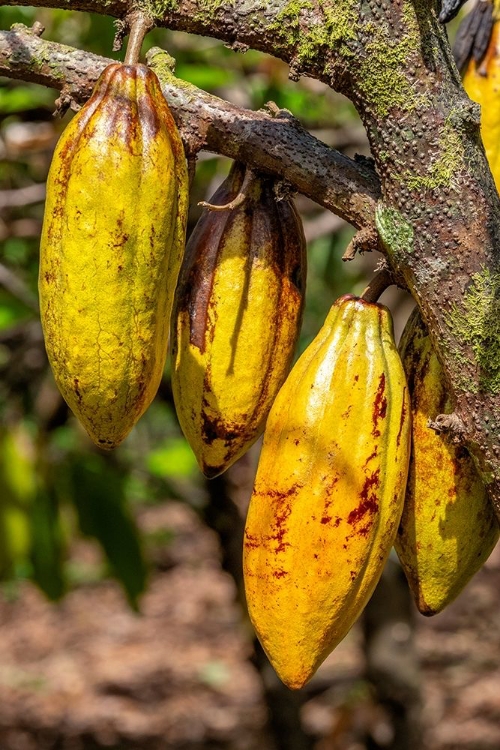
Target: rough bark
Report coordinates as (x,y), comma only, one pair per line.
(439,212)
(270,141)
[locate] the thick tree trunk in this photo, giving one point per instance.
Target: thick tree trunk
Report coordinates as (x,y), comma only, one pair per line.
(439,217)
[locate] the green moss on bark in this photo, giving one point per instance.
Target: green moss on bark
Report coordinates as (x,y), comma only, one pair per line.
(395,232)
(384,82)
(450,161)
(298,27)
(476,322)
(157,9)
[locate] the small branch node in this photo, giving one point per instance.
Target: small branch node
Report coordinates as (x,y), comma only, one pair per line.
(37,29)
(448,423)
(271,108)
(283,190)
(383,265)
(64,102)
(157,56)
(364,241)
(238,200)
(193,143)
(121,32)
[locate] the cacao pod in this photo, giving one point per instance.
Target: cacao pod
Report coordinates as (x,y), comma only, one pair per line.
(448,527)
(482,84)
(236,319)
(329,489)
(111,247)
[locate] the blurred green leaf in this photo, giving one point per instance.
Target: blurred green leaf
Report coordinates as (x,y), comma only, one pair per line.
(14,250)
(25,97)
(97,489)
(17,494)
(205,77)
(173,459)
(47,545)
(11,311)
(8,16)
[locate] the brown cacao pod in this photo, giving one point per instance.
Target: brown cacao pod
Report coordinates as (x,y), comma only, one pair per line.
(236,319)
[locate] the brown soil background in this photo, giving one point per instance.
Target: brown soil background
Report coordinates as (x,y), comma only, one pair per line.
(89,673)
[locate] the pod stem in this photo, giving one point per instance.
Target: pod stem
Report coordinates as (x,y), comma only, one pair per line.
(139,27)
(377,286)
(240,198)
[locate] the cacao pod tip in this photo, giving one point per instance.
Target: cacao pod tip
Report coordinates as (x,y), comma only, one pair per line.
(292,671)
(296,683)
(104,445)
(212,471)
(426,610)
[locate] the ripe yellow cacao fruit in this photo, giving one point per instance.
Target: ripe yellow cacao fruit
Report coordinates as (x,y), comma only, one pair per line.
(448,527)
(482,84)
(329,489)
(111,247)
(236,319)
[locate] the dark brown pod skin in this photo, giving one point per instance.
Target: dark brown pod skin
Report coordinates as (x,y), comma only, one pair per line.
(236,319)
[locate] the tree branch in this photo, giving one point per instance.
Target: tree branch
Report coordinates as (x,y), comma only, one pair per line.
(277,144)
(310,35)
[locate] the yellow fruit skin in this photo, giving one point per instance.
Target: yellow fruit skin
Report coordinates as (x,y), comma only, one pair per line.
(329,489)
(448,527)
(236,319)
(482,84)
(111,247)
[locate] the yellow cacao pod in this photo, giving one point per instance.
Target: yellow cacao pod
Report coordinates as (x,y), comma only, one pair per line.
(111,247)
(236,319)
(329,489)
(448,527)
(482,84)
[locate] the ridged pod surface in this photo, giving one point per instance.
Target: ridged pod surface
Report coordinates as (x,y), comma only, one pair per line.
(448,527)
(111,247)
(482,84)
(236,319)
(329,489)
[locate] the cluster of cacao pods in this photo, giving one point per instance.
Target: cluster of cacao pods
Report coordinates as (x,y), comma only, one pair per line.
(340,478)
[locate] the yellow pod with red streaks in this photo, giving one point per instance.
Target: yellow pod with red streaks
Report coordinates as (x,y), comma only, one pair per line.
(111,247)
(329,489)
(482,84)
(236,319)
(448,528)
